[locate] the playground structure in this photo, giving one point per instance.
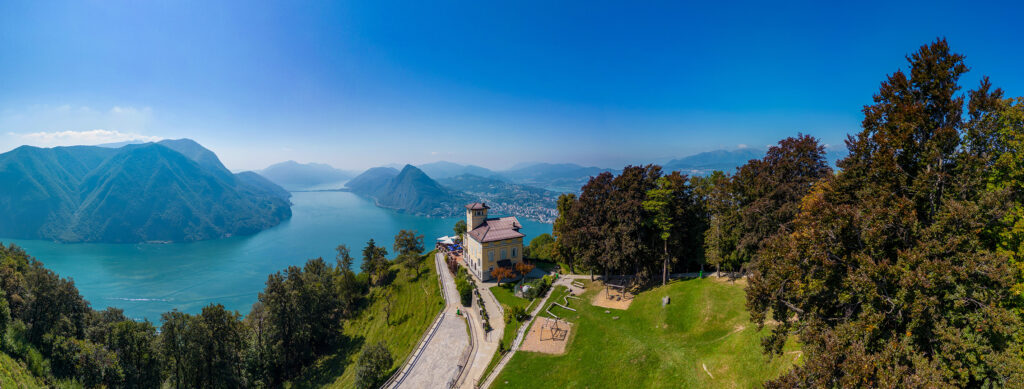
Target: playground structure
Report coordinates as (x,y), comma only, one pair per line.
(550,333)
(615,294)
(548,336)
(557,332)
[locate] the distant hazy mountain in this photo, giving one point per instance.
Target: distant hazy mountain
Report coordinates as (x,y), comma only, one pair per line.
(372,180)
(165,191)
(410,190)
(835,155)
(561,177)
(707,162)
(117,145)
(444,169)
(728,160)
(303,176)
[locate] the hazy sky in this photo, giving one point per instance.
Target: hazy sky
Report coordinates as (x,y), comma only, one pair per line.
(375,82)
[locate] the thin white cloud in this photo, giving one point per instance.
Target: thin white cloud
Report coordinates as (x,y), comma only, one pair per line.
(89,137)
(741,146)
(66,125)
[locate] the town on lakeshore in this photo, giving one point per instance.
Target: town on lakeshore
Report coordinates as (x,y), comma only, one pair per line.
(407,195)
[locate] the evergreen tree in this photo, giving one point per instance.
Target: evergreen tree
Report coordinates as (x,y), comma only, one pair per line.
(889,277)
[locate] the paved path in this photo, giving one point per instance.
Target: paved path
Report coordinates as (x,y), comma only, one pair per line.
(485,345)
(439,362)
(436,361)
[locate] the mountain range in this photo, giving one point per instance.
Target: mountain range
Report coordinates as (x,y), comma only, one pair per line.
(506,198)
(527,190)
(728,160)
(444,169)
(707,162)
(413,191)
(292,175)
(409,190)
(172,190)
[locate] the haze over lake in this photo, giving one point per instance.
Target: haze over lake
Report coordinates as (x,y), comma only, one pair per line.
(147,280)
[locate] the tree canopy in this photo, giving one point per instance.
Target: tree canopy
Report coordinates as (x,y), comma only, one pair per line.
(892,272)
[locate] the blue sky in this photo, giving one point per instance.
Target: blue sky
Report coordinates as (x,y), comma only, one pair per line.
(376,82)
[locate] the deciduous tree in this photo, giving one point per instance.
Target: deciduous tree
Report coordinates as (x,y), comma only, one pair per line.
(373,363)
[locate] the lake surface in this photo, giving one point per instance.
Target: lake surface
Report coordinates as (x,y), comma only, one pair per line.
(147,280)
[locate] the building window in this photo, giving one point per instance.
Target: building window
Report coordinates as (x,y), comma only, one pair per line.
(491,256)
(504,254)
(513,252)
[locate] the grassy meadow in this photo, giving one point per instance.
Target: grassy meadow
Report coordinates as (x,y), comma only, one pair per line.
(14,375)
(703,338)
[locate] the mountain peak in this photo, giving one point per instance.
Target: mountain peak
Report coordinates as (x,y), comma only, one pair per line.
(196,152)
(410,190)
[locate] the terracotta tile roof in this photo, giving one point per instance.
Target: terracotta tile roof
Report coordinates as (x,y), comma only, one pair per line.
(497,229)
(476,206)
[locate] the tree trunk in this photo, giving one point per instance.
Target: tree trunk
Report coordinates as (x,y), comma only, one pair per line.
(664,268)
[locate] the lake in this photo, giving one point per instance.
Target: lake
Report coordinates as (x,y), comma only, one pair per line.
(147,280)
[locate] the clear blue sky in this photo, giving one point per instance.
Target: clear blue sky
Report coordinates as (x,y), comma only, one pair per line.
(375,82)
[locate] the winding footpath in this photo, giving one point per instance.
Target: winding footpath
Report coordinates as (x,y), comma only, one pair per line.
(485,344)
(437,361)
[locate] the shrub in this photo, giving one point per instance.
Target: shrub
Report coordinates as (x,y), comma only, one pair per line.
(373,363)
(537,288)
(516,313)
(465,291)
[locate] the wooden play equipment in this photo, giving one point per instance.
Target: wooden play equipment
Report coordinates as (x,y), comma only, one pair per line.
(609,288)
(619,289)
(556,331)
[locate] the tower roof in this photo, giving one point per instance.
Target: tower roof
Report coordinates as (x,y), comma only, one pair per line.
(477,206)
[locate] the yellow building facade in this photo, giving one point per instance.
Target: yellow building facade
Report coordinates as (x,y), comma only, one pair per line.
(490,242)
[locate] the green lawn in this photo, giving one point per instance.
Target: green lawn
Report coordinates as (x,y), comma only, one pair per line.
(506,297)
(649,346)
(558,296)
(14,375)
(416,303)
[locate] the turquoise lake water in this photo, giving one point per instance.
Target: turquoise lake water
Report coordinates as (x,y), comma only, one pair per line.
(149,279)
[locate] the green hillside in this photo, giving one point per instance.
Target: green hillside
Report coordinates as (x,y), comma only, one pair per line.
(15,376)
(416,302)
(706,324)
(167,191)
